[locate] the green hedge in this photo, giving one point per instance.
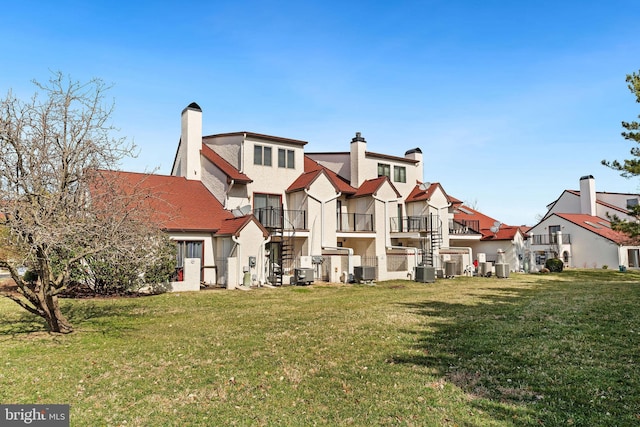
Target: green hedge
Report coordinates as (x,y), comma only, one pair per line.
(554,265)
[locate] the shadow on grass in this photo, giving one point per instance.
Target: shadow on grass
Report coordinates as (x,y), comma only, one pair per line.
(110,317)
(557,353)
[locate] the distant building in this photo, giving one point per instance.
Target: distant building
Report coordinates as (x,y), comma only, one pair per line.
(576,229)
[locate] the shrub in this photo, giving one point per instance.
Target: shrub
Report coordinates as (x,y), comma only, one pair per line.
(554,265)
(605,266)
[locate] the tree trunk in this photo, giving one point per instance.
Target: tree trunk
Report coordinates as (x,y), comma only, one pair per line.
(56,321)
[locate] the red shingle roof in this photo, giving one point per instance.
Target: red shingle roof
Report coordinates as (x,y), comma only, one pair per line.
(596,225)
(224,166)
(505,232)
(371,186)
(417,194)
(305,180)
(233,226)
(311,169)
(176,203)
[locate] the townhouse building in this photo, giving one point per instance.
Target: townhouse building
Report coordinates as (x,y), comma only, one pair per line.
(332,212)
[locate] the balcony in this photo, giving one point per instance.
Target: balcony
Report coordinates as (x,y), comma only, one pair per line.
(278,218)
(546,239)
(354,222)
(417,224)
(464,226)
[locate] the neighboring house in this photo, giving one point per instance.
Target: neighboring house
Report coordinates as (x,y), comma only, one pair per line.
(488,238)
(576,229)
(328,211)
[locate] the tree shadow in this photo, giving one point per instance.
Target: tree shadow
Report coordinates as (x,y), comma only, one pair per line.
(109,317)
(516,358)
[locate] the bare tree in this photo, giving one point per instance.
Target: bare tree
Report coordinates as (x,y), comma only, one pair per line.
(58,207)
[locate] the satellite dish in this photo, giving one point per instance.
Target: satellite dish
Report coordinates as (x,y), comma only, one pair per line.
(494,229)
(424,186)
(245,209)
(237,212)
(497,224)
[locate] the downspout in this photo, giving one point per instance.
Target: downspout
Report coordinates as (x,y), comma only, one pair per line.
(226,194)
(236,246)
(263,278)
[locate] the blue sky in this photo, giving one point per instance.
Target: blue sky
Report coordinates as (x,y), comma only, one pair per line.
(511,102)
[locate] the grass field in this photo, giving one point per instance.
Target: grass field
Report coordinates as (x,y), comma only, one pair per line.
(530,350)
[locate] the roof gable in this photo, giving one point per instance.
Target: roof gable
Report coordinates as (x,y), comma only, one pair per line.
(234,226)
(418,194)
(341,185)
(370,187)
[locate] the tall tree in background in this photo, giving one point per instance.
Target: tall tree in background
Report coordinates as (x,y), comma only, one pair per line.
(629,167)
(58,209)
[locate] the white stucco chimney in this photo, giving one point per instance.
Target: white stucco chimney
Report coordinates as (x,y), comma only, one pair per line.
(416,154)
(357,157)
(588,195)
(191,138)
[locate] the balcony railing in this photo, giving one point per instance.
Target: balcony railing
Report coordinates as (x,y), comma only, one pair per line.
(414,224)
(354,222)
(272,217)
(546,239)
(461,226)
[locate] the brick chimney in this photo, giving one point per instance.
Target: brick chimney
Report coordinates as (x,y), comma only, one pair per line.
(191,139)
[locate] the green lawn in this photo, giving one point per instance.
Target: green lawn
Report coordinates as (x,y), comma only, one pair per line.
(529,350)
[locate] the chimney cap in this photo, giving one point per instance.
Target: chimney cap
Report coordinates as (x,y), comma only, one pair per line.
(358,138)
(193,106)
(586,177)
(413,150)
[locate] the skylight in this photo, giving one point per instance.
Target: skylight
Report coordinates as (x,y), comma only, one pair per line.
(592,224)
(604,224)
(467,211)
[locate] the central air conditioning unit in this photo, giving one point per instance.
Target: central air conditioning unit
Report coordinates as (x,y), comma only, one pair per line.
(424,274)
(303,276)
(364,274)
(502,270)
(449,268)
(484,268)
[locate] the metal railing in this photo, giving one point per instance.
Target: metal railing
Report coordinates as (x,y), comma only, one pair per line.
(414,223)
(546,239)
(287,219)
(461,226)
(354,222)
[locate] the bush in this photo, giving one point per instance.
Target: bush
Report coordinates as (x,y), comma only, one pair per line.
(554,265)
